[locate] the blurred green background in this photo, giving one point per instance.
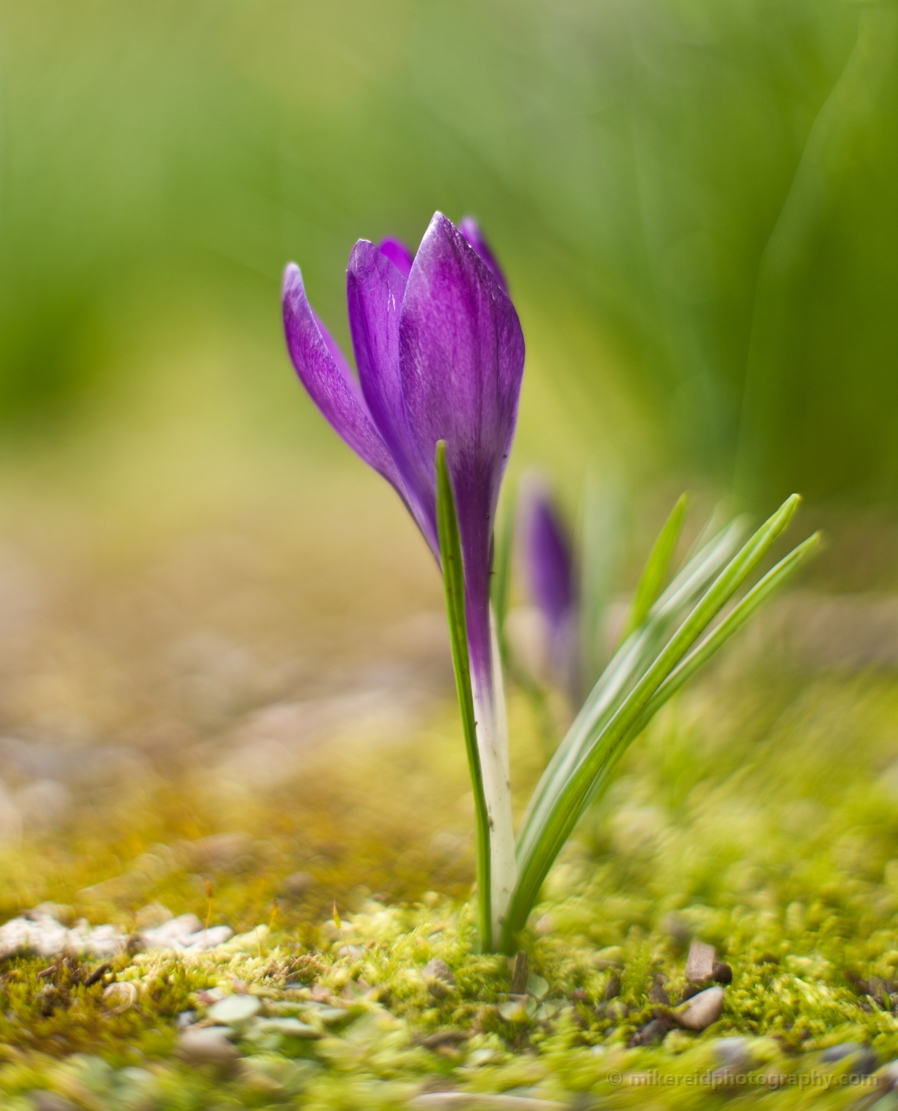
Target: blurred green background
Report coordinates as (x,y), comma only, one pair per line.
(204,596)
(695,202)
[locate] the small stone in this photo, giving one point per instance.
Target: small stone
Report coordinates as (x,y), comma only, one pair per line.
(476,1101)
(207,938)
(517,1008)
(171,933)
(733,1054)
(722,973)
(151,917)
(702,1010)
(617,1010)
(235,1008)
(700,962)
(658,993)
(185,1019)
(864,1062)
(537,986)
(444,1038)
(288,1027)
(888,1076)
(206,1045)
(297,884)
(653,1033)
(50,1101)
(438,977)
(119,997)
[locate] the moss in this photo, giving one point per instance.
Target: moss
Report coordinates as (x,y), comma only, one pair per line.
(740,818)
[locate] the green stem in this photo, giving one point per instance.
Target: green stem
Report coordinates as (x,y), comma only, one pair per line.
(454,585)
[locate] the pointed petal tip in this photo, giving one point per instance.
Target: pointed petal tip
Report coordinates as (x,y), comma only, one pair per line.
(292,285)
(397,252)
(473,233)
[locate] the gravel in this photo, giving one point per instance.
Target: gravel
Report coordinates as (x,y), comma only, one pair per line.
(39,932)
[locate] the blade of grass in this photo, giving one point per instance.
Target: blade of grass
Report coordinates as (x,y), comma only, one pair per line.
(700,655)
(656,568)
(454,586)
(548,829)
(740,613)
(628,663)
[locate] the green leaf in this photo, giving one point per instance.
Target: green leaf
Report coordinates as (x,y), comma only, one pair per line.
(656,568)
(454,586)
(628,663)
(599,740)
(740,613)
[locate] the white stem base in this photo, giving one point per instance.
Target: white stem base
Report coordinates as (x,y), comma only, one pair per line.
(492,742)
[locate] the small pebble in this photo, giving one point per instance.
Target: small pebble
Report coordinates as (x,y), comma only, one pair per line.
(702,1010)
(865,1060)
(658,993)
(733,1054)
(888,1076)
(119,997)
(700,962)
(617,1010)
(235,1008)
(462,1101)
(438,977)
(653,1033)
(206,1045)
(290,1027)
(185,1019)
(722,973)
(50,1101)
(514,1009)
(443,1038)
(297,884)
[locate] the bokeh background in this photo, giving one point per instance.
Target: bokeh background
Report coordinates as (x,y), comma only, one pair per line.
(695,204)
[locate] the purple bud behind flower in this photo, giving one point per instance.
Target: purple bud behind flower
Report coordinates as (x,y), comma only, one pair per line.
(551,578)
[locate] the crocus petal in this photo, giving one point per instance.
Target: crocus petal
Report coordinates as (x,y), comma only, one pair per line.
(326,375)
(470,229)
(461,361)
(374,291)
(397,252)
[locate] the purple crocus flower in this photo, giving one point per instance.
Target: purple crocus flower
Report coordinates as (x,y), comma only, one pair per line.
(440,355)
(549,564)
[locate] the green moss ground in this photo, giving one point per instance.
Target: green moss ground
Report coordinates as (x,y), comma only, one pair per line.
(760,814)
